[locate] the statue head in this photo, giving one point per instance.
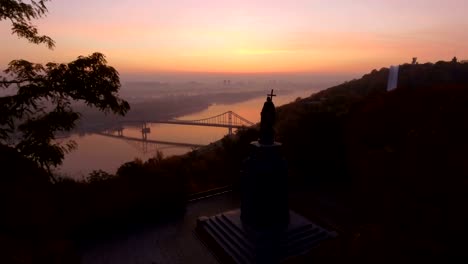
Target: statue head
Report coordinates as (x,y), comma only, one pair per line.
(268,99)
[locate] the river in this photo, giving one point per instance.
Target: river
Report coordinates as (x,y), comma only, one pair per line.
(100,152)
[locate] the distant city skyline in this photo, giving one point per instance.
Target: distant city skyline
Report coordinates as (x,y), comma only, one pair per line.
(322,37)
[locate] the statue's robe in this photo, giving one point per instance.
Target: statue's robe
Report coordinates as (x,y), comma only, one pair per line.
(267,122)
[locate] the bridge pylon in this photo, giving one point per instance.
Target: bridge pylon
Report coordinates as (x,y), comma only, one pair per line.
(120,131)
(145,131)
(230,123)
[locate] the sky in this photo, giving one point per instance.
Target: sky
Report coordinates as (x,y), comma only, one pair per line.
(253,36)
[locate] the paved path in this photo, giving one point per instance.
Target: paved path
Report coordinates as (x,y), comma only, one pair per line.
(172,242)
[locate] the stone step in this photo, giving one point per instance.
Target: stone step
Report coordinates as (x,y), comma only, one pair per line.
(304,248)
(215,234)
(305,243)
(236,232)
(239,241)
(301,231)
(232,246)
(237,228)
(231,235)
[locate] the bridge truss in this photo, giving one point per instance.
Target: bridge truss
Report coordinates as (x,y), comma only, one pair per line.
(227,119)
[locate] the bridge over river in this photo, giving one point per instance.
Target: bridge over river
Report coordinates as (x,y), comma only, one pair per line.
(229,120)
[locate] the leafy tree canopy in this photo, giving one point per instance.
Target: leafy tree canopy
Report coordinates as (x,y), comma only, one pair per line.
(41,102)
(20,15)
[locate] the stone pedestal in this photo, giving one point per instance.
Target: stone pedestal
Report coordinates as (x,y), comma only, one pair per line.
(233,242)
(264,192)
(264,230)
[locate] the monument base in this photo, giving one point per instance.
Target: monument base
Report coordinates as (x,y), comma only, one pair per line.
(233,242)
(264,187)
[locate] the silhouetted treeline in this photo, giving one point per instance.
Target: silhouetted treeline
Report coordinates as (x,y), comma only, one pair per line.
(397,158)
(42,222)
(407,158)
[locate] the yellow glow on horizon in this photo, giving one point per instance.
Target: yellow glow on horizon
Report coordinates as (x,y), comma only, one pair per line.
(260,51)
(248,36)
(242,55)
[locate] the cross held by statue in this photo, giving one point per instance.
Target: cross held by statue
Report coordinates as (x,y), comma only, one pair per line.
(271,94)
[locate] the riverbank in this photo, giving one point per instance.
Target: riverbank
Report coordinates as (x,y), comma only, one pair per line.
(96,152)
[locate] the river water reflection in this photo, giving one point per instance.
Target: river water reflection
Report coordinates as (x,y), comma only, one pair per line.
(100,152)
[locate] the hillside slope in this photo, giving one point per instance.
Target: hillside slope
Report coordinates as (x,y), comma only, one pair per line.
(396,159)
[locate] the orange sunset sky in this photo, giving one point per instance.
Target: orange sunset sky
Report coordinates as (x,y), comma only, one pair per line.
(248,36)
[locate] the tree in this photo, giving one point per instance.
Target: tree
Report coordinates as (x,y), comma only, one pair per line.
(20,15)
(40,100)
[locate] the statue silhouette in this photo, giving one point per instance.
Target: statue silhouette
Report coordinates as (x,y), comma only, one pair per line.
(267,121)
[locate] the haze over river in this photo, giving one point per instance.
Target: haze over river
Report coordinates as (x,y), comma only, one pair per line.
(100,152)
